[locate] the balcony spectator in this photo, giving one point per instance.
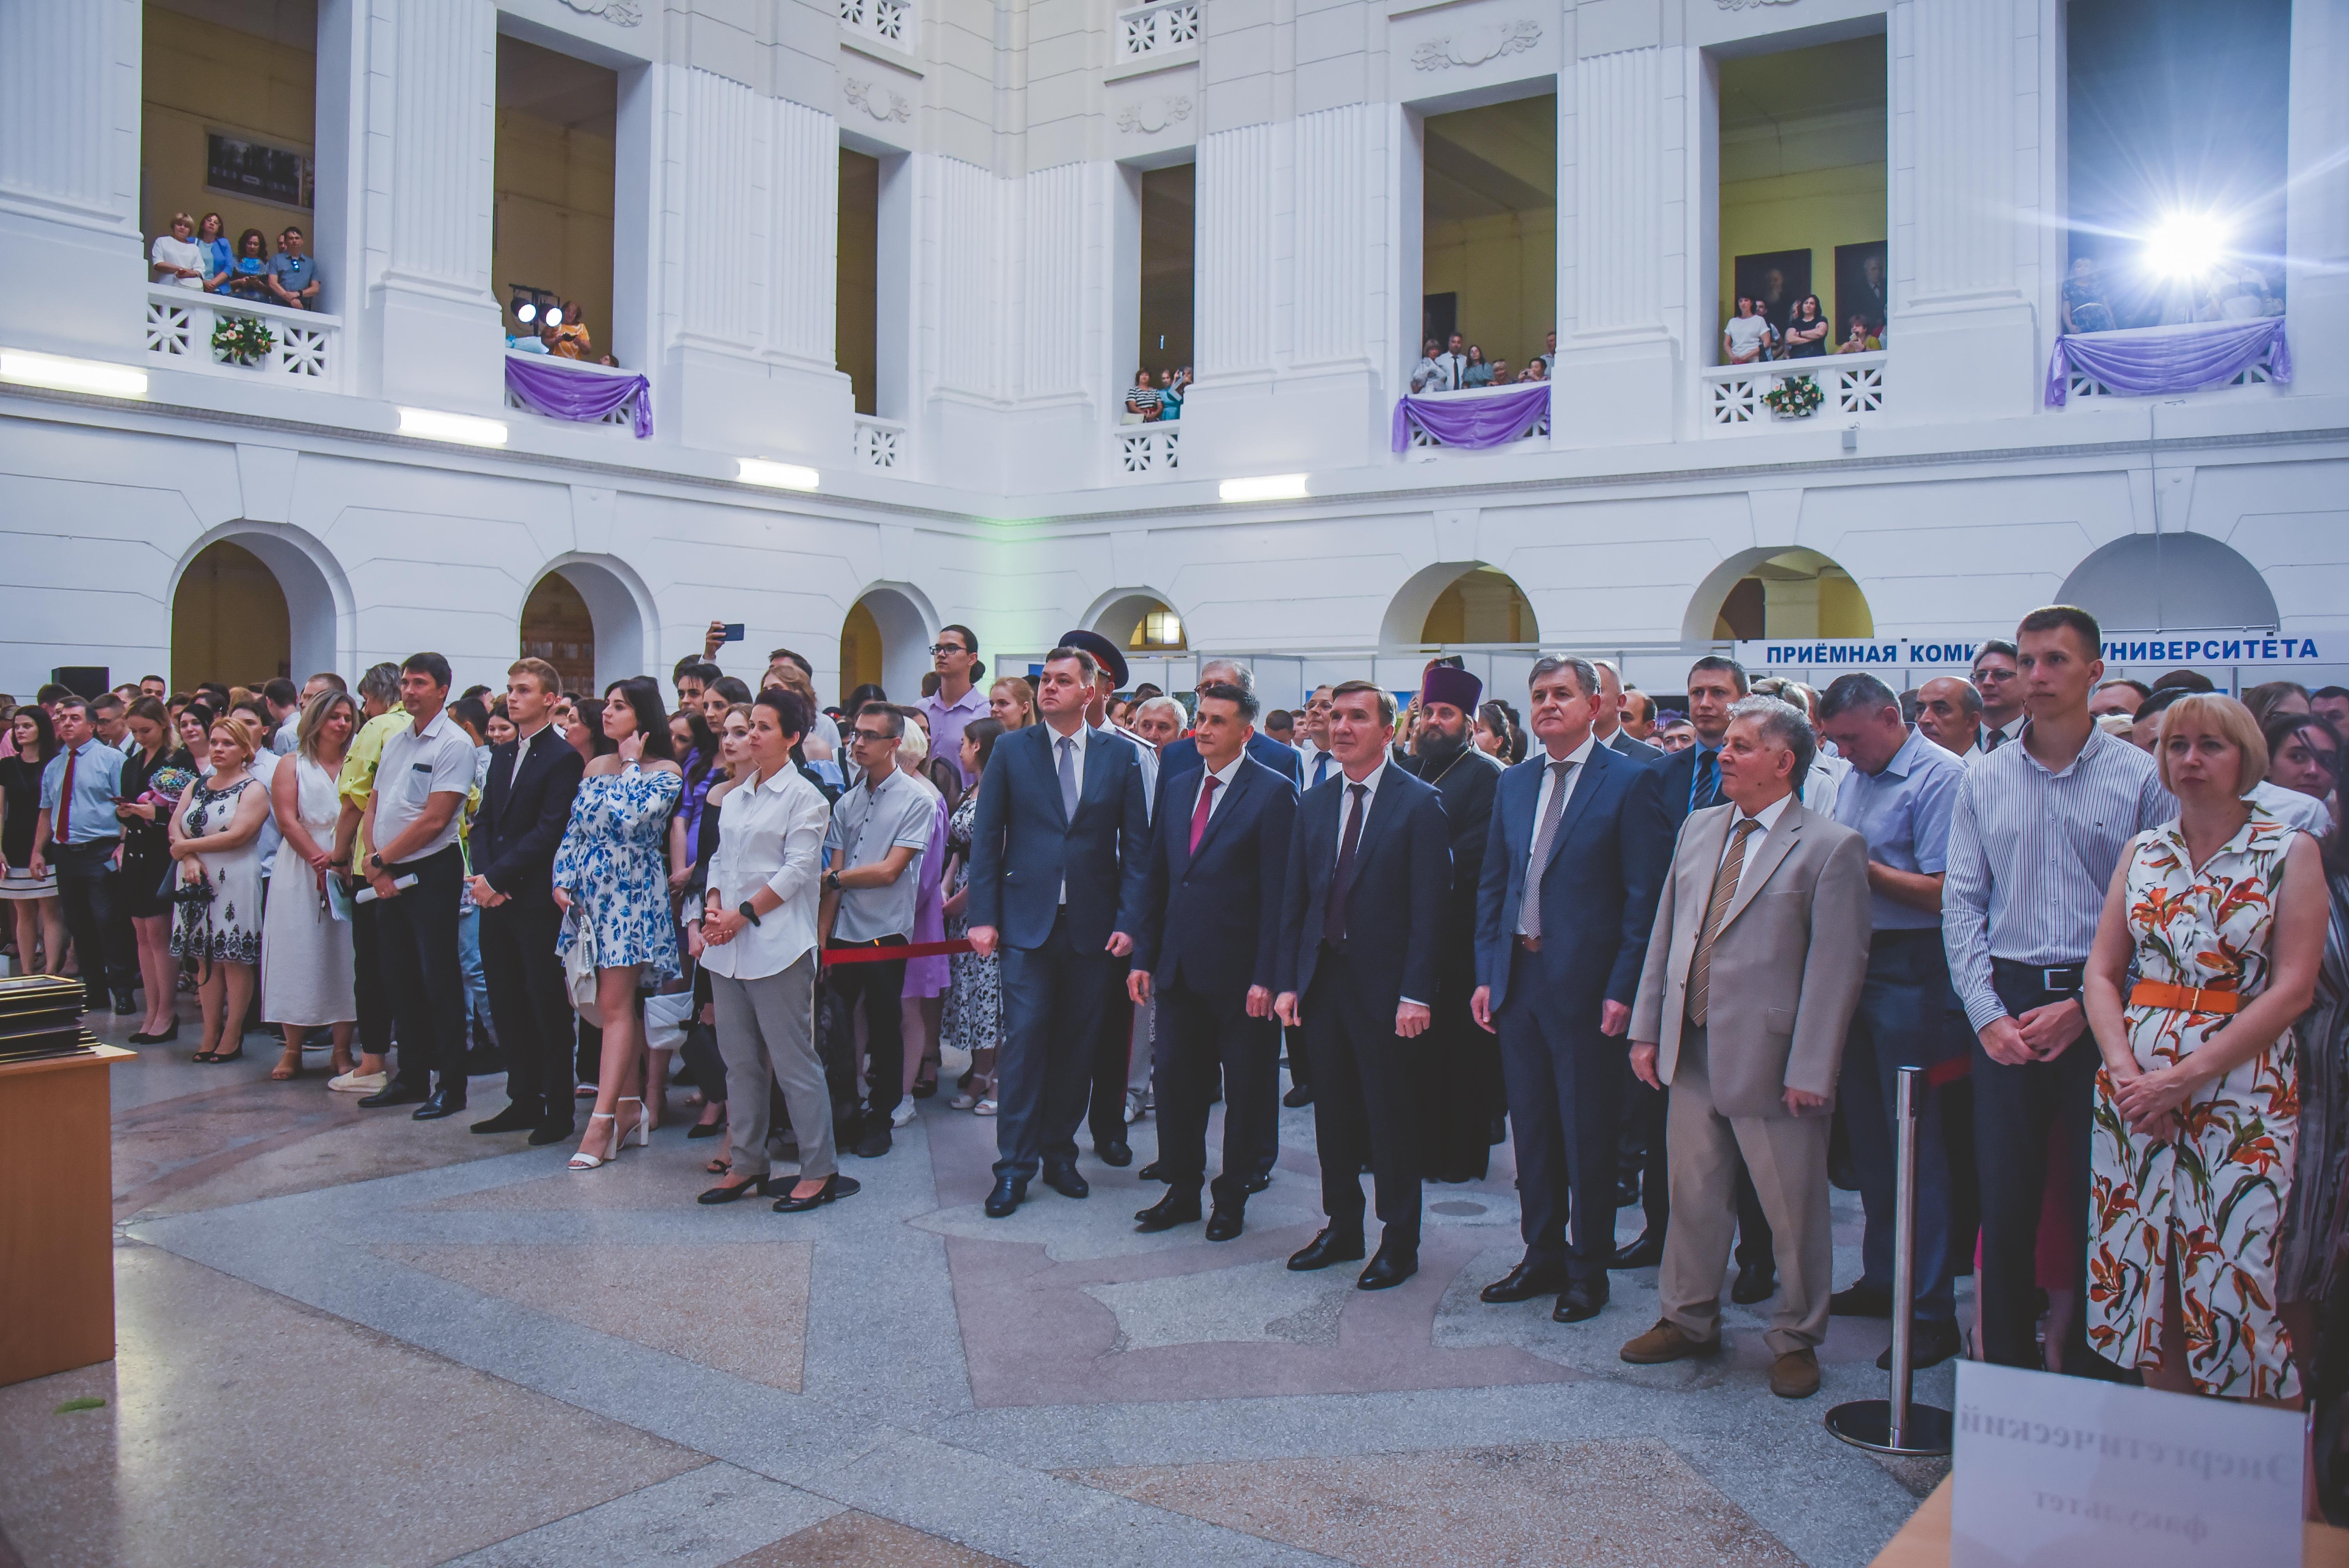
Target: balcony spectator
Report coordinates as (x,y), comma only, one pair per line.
(1143,403)
(212,239)
(177,260)
(1501,376)
(1171,383)
(1859,340)
(1747,336)
(249,270)
(569,339)
(1427,376)
(1479,373)
(2084,309)
(1453,362)
(1807,332)
(1536,369)
(1549,355)
(293,276)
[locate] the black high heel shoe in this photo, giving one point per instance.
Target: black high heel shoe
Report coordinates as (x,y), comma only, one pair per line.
(835,1186)
(143,1038)
(757,1186)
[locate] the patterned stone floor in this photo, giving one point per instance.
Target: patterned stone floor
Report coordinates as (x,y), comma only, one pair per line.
(347,1337)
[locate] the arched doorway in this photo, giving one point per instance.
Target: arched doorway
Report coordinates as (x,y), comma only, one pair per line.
(587,616)
(1461,604)
(2149,582)
(885,639)
(253,601)
(1139,620)
(1779,594)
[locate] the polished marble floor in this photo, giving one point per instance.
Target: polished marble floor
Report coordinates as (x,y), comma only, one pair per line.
(348,1337)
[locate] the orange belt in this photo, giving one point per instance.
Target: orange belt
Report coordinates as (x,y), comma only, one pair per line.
(2182,998)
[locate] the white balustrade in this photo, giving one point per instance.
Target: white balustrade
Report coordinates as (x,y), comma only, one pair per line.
(2082,387)
(624,416)
(890,20)
(305,346)
(1851,387)
(1143,451)
(879,443)
(1162,28)
(1424,446)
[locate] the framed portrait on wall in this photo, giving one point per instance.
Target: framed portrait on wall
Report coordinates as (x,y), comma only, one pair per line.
(236,165)
(1862,288)
(1774,280)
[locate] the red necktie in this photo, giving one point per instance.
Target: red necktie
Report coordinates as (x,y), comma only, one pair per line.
(1199,816)
(65,798)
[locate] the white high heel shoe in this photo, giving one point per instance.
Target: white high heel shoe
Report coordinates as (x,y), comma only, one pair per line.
(582,1161)
(644,1134)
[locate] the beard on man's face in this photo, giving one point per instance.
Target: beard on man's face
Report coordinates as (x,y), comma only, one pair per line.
(1441,746)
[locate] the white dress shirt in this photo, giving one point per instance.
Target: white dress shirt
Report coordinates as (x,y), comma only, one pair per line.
(2292,807)
(1346,805)
(770,834)
(1764,819)
(522,749)
(1307,751)
(1223,776)
(1580,758)
(412,769)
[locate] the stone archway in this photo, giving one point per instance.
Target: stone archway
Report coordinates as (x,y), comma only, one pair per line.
(1787,592)
(2144,581)
(886,637)
(590,616)
(1459,603)
(252,601)
(1139,619)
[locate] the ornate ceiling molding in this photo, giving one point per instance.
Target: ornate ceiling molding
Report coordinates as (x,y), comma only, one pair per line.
(1475,45)
(1148,117)
(619,13)
(878,101)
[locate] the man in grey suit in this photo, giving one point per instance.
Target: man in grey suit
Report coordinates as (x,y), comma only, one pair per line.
(1057,862)
(1754,966)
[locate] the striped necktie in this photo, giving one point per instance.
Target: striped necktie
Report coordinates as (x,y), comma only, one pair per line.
(1717,912)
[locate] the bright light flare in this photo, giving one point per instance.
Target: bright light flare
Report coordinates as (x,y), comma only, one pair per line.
(463,428)
(64,375)
(2186,245)
(780,475)
(1264,487)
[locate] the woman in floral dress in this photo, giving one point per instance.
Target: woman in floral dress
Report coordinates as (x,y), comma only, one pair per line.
(2221,914)
(611,877)
(974,1014)
(215,836)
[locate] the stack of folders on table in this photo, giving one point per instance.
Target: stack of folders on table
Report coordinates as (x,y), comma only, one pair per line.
(40,1016)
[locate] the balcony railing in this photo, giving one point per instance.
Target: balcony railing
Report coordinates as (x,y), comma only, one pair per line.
(1425,444)
(1159,29)
(2080,387)
(305,347)
(1144,451)
(1851,387)
(879,443)
(890,20)
(624,416)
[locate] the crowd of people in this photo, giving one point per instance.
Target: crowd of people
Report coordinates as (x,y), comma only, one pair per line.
(1752,334)
(198,255)
(1455,365)
(1678,958)
(1149,402)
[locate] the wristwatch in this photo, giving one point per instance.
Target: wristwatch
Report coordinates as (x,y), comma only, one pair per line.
(832,880)
(746,911)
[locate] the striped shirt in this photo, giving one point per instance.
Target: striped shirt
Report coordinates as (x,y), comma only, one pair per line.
(2031,855)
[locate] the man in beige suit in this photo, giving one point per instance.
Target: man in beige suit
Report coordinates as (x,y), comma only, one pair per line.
(1754,966)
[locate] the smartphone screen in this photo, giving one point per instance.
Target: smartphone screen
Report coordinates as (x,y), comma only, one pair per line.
(733,630)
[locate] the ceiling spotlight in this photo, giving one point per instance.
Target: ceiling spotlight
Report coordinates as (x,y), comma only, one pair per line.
(2186,244)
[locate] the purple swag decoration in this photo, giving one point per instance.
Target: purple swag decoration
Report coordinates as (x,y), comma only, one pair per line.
(566,392)
(2141,361)
(1486,419)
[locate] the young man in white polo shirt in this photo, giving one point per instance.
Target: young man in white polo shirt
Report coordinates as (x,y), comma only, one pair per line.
(412,819)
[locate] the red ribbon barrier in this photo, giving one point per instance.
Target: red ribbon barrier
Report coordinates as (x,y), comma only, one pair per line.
(891,954)
(1941,1075)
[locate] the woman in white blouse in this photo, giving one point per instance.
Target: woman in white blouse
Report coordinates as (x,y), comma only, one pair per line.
(177,260)
(1746,336)
(759,948)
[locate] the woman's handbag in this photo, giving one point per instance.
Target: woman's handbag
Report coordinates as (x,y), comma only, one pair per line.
(579,971)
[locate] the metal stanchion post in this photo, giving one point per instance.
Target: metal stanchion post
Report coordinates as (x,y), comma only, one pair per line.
(1897,1426)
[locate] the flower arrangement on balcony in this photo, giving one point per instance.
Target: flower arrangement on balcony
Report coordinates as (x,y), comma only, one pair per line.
(1794,398)
(242,339)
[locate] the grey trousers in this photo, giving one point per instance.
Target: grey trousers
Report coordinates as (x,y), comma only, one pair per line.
(766,1033)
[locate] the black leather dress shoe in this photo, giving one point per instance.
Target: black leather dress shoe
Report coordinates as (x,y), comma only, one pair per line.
(1065,1181)
(1644,1254)
(734,1192)
(1116,1152)
(394,1093)
(547,1132)
(1298,1099)
(835,1187)
(513,1119)
(123,1005)
(1755,1281)
(1153,1172)
(440,1103)
(1009,1193)
(1252,1185)
(1179,1207)
(1929,1344)
(1522,1283)
(1329,1247)
(1627,1192)
(1224,1223)
(1862,1300)
(1579,1302)
(1389,1269)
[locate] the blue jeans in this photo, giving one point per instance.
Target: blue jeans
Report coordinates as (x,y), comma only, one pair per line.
(469,959)
(1906,1017)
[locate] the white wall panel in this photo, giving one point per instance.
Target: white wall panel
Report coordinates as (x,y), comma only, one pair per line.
(1232,314)
(805,186)
(1619,192)
(721,264)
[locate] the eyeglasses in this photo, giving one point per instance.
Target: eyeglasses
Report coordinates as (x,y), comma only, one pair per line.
(873,737)
(948,648)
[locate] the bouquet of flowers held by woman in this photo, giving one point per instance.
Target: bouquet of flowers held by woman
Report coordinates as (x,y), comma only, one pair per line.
(165,786)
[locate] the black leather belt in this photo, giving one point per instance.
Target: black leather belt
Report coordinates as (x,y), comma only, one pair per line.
(2058,978)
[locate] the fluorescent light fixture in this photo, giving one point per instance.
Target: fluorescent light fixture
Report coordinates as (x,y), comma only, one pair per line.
(71,375)
(1264,487)
(2186,244)
(782,476)
(435,426)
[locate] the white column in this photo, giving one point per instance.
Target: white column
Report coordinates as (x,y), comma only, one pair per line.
(69,176)
(431,322)
(1340,227)
(1617,368)
(1233,319)
(1969,171)
(2316,222)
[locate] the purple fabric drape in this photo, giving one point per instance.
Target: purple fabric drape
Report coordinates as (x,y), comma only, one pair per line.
(566,392)
(1491,420)
(2142,361)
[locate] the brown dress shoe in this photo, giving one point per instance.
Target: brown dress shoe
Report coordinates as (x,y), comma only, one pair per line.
(1668,1341)
(1795,1374)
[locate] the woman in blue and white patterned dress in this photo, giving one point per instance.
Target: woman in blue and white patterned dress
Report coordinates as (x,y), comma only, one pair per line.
(611,877)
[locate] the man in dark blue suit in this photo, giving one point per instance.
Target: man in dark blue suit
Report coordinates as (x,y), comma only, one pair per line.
(1055,872)
(1574,862)
(1183,752)
(1211,911)
(1370,868)
(1691,781)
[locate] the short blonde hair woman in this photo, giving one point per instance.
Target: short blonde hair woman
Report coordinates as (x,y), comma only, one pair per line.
(311,979)
(215,834)
(2210,714)
(1011,703)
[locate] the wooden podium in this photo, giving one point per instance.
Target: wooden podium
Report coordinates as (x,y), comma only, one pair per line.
(57,1214)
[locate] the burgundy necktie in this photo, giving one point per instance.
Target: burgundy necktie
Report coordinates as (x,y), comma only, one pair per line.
(1199,816)
(1333,912)
(65,800)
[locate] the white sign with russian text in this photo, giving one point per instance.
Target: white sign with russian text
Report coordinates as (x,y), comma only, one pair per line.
(2135,649)
(2062,1470)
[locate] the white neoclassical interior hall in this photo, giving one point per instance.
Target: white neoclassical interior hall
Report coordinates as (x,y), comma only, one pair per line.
(876,278)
